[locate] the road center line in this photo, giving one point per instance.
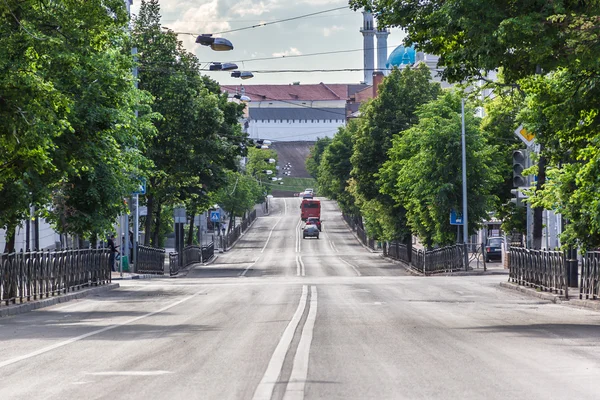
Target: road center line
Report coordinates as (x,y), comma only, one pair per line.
(297,382)
(264,390)
(249,266)
(270,233)
(298,228)
(96,332)
(353,267)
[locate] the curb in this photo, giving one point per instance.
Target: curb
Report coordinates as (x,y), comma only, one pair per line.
(556,299)
(184,272)
(34,305)
(553,298)
(358,240)
(140,276)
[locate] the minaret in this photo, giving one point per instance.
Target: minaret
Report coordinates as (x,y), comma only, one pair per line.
(382,35)
(368,31)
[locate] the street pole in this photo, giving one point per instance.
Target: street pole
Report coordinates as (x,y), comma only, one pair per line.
(136,231)
(464,187)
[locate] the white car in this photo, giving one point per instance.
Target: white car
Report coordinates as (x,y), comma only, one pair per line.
(309,190)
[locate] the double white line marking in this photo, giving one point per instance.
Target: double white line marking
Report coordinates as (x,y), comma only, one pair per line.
(297,382)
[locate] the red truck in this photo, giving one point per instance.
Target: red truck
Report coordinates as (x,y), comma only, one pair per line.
(310,208)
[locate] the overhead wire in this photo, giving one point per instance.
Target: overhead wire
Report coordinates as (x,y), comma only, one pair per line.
(267,23)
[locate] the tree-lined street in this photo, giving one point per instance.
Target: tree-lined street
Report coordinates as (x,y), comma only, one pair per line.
(280,317)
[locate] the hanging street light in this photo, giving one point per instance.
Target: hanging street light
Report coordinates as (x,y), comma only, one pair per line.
(242,74)
(217,44)
(217,66)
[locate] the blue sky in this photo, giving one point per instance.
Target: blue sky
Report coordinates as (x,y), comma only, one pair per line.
(328,32)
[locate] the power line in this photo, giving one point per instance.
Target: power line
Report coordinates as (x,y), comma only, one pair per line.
(268,23)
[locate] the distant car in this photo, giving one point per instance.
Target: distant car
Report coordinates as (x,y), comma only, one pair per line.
(310,231)
(307,195)
(493,248)
(314,221)
(309,190)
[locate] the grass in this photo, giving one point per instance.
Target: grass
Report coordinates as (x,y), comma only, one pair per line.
(295,185)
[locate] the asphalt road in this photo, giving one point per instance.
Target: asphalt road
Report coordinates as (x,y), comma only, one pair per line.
(279,317)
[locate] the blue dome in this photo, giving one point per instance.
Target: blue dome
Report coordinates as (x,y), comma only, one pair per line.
(401,56)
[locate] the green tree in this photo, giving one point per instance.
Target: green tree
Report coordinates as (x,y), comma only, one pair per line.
(498,126)
(67,110)
(521,39)
(335,166)
(424,172)
(199,137)
(564,106)
(239,195)
(314,157)
(392,112)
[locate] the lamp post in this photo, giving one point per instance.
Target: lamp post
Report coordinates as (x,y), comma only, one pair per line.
(217,44)
(464,187)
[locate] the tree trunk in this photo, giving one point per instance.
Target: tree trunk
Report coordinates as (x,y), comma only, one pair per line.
(538,212)
(156,234)
(9,247)
(190,237)
(148,227)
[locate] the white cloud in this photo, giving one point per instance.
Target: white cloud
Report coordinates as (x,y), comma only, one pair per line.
(328,31)
(291,52)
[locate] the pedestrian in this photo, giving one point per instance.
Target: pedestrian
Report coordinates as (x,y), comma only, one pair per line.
(113,251)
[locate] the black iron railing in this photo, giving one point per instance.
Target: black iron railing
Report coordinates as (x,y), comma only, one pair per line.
(589,286)
(39,274)
(174,266)
(228,240)
(208,251)
(443,259)
(544,270)
(150,260)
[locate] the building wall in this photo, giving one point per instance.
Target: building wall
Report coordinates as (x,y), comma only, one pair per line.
(48,237)
(294,130)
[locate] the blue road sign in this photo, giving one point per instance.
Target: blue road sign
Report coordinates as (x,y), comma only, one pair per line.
(215,216)
(141,187)
(455,219)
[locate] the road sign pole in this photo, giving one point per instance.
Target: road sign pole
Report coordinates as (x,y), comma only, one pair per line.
(464,187)
(136,231)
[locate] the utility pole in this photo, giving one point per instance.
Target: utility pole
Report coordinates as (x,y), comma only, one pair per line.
(464,188)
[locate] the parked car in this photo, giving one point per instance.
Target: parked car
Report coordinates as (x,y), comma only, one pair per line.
(310,231)
(493,248)
(314,221)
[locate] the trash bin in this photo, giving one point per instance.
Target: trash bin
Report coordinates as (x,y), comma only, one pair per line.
(125,263)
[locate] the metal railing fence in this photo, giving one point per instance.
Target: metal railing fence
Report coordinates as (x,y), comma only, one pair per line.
(174,263)
(545,270)
(228,240)
(208,251)
(444,259)
(150,260)
(39,274)
(589,285)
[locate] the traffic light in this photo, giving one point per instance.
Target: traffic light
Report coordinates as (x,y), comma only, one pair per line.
(519,159)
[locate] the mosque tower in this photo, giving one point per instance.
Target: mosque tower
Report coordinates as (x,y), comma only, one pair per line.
(368,31)
(382,55)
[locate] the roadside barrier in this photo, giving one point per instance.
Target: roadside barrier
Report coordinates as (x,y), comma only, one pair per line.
(34,275)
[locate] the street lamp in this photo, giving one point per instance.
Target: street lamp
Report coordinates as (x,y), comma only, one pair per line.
(242,74)
(217,66)
(217,44)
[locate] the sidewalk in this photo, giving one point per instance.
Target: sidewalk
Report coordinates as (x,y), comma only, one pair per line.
(573,299)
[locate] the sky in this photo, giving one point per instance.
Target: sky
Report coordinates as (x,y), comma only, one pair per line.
(324,33)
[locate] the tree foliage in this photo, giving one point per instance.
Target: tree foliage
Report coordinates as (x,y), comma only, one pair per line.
(67,112)
(314,157)
(199,136)
(392,112)
(424,172)
(473,37)
(334,168)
